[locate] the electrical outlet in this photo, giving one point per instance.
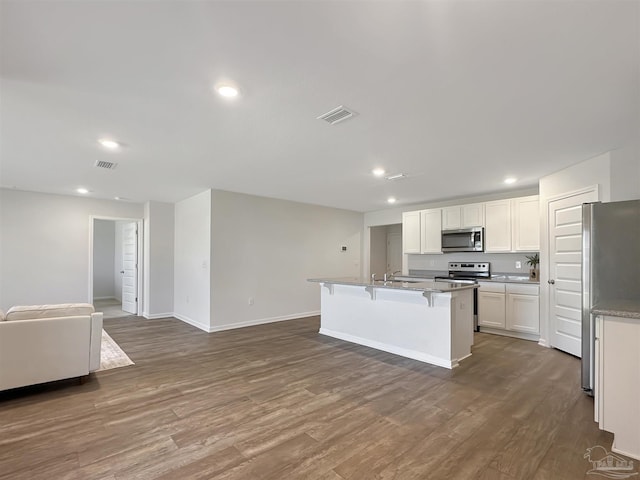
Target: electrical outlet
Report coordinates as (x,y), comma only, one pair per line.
(432,263)
(518,264)
(250,300)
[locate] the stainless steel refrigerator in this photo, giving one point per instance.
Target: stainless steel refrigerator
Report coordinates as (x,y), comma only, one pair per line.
(610,266)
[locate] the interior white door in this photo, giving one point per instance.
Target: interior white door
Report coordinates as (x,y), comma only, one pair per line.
(565,271)
(130,268)
(394,252)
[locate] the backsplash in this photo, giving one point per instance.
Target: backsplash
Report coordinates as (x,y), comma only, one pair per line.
(500,262)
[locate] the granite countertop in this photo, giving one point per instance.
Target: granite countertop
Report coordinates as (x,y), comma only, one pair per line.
(625,308)
(438,287)
(495,277)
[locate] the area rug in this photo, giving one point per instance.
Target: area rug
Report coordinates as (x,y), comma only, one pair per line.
(111,355)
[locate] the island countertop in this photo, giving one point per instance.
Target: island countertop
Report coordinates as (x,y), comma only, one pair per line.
(437,287)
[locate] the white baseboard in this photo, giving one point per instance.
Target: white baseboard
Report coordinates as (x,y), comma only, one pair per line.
(544,343)
(105,298)
(192,322)
(233,326)
(156,316)
(509,333)
(415,355)
(262,321)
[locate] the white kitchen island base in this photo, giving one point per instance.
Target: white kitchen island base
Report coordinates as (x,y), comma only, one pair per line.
(430,326)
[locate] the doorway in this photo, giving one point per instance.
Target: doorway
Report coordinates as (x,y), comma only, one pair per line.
(114,272)
(385,249)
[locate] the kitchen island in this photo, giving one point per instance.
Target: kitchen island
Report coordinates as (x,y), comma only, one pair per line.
(427,321)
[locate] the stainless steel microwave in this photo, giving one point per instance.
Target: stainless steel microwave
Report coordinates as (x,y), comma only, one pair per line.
(465,240)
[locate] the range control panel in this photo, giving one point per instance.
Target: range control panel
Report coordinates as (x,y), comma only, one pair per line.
(469,267)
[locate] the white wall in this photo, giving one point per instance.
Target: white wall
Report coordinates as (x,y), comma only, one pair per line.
(266,249)
(625,173)
(44,245)
(159,259)
(192,258)
(104,243)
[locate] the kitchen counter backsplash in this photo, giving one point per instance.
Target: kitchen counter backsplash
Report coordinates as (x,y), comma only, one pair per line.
(500,262)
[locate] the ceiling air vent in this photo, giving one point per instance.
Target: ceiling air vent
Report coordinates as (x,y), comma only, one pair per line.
(337,115)
(106,165)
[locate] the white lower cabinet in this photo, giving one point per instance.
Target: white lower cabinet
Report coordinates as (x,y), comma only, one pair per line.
(523,308)
(617,382)
(509,309)
(491,305)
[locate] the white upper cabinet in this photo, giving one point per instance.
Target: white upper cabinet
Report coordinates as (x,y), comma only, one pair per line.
(451,218)
(463,216)
(526,224)
(431,237)
(497,228)
(473,215)
(411,232)
(512,225)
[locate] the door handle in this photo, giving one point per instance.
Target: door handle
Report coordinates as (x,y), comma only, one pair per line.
(121,271)
(551,282)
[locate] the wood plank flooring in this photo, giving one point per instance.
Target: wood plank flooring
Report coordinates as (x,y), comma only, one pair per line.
(280,401)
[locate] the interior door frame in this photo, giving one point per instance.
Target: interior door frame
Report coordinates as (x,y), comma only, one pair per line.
(545,257)
(139,277)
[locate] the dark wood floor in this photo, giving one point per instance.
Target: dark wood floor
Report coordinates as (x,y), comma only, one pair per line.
(280,401)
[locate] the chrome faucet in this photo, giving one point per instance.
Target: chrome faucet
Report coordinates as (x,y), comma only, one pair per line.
(385,276)
(373,277)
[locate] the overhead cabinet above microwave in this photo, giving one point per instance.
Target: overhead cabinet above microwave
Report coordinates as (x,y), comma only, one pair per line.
(463,216)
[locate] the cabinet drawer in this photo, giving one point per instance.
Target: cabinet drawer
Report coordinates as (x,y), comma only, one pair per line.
(523,289)
(494,287)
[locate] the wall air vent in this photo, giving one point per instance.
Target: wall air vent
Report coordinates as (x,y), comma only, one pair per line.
(337,115)
(106,165)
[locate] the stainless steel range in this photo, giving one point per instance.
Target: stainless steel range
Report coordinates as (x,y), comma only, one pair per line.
(468,272)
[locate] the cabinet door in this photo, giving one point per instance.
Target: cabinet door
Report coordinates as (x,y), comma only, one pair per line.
(451,218)
(526,224)
(497,230)
(411,232)
(472,215)
(523,313)
(491,309)
(431,238)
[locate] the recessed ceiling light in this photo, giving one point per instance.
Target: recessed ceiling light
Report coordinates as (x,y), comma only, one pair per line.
(227,91)
(378,172)
(510,180)
(82,190)
(110,144)
(391,200)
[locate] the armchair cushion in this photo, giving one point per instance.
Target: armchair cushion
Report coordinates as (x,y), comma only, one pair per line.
(49,311)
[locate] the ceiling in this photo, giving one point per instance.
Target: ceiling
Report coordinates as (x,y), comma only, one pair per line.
(457,95)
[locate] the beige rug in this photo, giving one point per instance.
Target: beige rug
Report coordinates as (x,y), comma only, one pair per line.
(111,355)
